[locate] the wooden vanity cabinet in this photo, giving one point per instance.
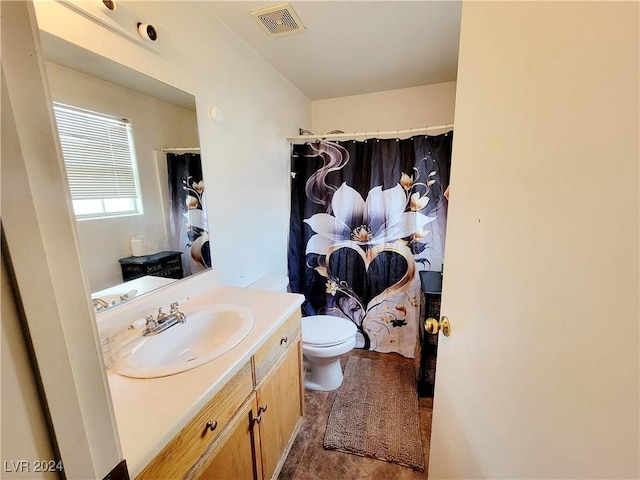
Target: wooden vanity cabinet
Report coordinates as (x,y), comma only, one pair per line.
(247,429)
(280,394)
(234,455)
(196,439)
(273,349)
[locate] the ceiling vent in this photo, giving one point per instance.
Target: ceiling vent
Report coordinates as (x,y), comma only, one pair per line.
(278,20)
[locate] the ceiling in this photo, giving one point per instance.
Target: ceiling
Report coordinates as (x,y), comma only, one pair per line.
(355,47)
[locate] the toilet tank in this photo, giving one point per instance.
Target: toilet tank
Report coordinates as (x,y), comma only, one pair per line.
(274,283)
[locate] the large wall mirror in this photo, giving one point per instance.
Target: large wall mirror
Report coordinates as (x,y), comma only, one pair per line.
(126,255)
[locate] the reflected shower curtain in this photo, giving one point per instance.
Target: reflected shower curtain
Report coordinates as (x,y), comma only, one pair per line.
(366,217)
(188,229)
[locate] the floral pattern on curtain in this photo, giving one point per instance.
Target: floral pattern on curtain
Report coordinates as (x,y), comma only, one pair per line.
(188,229)
(366,217)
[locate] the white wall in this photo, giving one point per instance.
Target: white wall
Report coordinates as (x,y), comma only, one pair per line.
(245,158)
(25,435)
(154,124)
(405,108)
(40,246)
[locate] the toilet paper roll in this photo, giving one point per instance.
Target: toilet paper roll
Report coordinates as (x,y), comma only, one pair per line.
(137,246)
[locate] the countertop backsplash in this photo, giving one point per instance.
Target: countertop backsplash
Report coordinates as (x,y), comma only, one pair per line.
(114,321)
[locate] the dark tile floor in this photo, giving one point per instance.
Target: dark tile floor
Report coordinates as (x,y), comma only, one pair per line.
(308,460)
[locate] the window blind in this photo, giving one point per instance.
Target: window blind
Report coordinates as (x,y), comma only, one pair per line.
(97,154)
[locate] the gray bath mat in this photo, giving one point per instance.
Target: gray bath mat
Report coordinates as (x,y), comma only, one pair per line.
(375,413)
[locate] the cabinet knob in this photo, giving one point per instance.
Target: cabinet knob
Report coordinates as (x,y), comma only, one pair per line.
(262,408)
(258,419)
(284,340)
(211,426)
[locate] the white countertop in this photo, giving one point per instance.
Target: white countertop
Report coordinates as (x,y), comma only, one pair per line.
(141,285)
(150,412)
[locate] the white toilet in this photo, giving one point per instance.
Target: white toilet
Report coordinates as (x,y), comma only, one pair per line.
(324,340)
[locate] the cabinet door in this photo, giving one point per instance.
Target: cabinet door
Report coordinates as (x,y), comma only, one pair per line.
(196,440)
(280,393)
(235,459)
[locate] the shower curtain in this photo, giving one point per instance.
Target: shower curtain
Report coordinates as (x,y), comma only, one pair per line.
(366,217)
(188,229)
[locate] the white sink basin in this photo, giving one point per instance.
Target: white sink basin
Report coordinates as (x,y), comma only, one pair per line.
(208,333)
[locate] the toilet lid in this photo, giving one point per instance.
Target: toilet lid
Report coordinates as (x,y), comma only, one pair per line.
(325,330)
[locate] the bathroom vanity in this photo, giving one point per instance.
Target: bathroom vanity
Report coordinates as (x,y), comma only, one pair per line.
(245,429)
(234,417)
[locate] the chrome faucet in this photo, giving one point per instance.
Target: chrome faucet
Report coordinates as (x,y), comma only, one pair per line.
(164,320)
(100,304)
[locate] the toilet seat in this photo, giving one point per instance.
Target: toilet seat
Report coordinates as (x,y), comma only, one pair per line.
(336,351)
(326,331)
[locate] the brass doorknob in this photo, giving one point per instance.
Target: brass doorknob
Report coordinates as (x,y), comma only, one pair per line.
(432,326)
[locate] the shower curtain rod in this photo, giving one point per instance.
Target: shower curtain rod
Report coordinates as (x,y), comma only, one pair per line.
(368,133)
(179,149)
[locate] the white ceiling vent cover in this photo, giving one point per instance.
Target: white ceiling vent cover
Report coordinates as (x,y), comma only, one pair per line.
(278,20)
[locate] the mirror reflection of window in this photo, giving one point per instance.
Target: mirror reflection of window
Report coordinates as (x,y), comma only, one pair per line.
(160,116)
(100,163)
